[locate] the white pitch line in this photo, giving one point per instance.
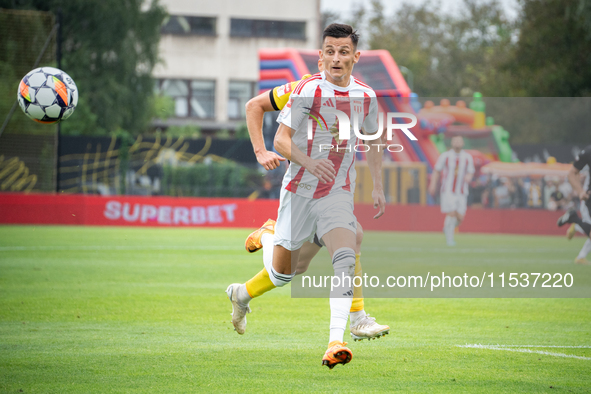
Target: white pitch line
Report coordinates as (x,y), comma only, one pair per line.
(111,247)
(547,346)
(515,348)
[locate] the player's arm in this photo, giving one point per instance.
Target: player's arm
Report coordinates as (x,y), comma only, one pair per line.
(374,161)
(434,181)
(435,175)
(374,157)
(470,170)
(255,111)
(574,178)
(322,169)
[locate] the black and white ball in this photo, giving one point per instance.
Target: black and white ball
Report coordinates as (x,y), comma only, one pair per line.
(47,95)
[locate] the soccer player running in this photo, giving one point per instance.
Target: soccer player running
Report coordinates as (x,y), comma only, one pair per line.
(456,167)
(362,325)
(584,193)
(317,191)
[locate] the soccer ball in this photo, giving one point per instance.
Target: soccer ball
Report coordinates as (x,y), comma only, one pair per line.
(47,95)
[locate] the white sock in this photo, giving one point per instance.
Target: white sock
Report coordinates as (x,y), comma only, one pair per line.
(356,316)
(268,247)
(242,295)
(339,314)
(585,250)
(449,226)
(341,297)
(579,229)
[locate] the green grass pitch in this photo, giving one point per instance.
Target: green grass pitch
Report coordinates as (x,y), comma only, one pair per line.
(86,309)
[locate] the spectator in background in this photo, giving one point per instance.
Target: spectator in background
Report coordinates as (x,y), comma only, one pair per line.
(518,193)
(557,200)
(502,194)
(534,193)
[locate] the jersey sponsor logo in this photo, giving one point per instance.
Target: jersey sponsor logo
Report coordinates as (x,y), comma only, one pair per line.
(304,186)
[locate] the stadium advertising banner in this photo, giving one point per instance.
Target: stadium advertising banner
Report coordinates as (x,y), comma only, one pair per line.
(79,209)
(133,211)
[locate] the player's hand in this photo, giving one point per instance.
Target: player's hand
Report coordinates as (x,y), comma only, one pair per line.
(379,201)
(269,160)
(432,190)
(584,195)
(322,169)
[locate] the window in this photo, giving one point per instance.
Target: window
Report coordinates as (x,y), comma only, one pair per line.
(191,98)
(239,94)
(267,28)
(203,99)
(179,24)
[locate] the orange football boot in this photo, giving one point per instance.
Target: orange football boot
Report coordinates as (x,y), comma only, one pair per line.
(253,242)
(337,353)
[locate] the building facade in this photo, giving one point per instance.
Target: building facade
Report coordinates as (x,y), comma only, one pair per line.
(209,52)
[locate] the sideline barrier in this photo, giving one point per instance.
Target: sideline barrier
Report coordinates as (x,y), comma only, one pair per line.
(93,210)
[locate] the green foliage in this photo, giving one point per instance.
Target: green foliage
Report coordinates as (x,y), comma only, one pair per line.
(162,106)
(213,179)
(448,54)
(223,134)
(109,49)
(241,132)
(553,54)
(22,36)
(191,131)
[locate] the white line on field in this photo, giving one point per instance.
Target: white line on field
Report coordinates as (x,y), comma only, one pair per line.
(555,346)
(113,247)
(521,349)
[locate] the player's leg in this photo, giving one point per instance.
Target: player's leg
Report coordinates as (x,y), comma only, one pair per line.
(449,224)
(572,217)
(278,260)
(337,227)
(449,227)
(362,326)
(308,251)
(340,243)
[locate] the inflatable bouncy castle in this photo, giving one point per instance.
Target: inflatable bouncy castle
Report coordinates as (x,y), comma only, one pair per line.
(378,69)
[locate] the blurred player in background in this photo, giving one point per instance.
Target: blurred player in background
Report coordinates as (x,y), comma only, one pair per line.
(317,193)
(456,169)
(583,223)
(362,325)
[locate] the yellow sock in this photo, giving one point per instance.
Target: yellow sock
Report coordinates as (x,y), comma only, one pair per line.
(259,284)
(357,290)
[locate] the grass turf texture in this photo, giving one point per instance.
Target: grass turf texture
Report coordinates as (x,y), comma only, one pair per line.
(87,309)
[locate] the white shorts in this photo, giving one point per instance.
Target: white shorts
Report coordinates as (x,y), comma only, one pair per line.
(585,212)
(299,218)
(451,202)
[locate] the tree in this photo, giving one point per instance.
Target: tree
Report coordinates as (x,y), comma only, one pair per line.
(553,54)
(449,55)
(109,48)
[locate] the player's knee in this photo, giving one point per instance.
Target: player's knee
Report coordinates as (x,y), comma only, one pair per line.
(343,262)
(280,280)
(359,237)
(302,266)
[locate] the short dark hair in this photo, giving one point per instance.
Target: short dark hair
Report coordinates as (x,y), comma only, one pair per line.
(340,30)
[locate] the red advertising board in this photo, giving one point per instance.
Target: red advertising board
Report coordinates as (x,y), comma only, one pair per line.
(16,208)
(134,211)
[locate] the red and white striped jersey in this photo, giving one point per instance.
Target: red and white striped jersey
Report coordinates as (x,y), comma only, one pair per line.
(454,167)
(306,106)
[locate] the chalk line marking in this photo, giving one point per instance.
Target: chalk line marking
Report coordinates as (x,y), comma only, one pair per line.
(522,349)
